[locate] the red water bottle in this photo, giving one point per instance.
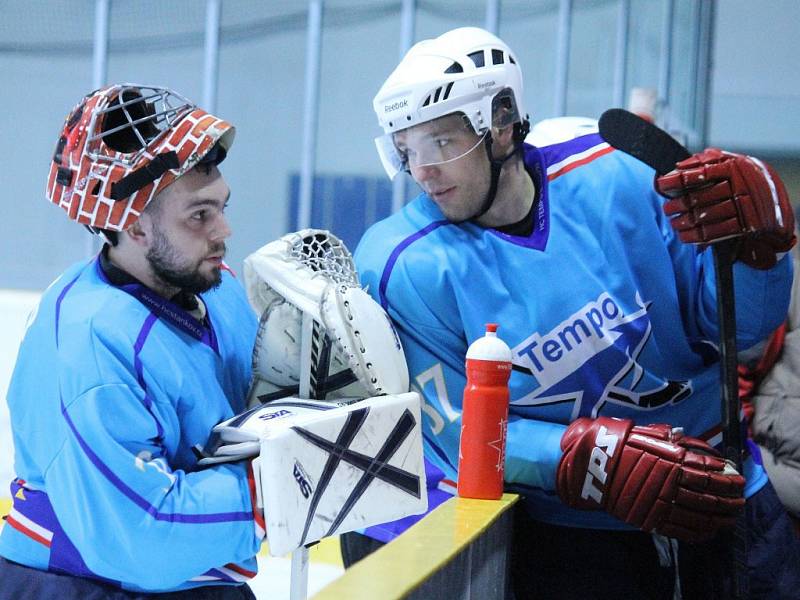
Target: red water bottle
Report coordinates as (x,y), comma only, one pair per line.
(484,418)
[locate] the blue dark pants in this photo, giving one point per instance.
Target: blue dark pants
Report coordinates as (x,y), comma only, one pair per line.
(563,562)
(18,582)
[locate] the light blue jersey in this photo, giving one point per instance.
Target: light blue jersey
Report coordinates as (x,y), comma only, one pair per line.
(112,389)
(606,311)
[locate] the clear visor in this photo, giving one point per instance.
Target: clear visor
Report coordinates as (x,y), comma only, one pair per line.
(434,143)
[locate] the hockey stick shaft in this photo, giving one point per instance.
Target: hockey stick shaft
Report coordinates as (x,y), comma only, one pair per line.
(633,135)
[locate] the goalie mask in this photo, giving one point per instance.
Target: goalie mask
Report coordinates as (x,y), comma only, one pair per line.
(352,349)
(123,144)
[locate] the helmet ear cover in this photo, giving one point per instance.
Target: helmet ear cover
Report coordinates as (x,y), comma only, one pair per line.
(505,113)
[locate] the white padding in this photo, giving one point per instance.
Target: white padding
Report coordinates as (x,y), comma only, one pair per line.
(346,468)
(368,339)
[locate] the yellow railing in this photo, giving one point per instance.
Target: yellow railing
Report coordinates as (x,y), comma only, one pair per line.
(397,569)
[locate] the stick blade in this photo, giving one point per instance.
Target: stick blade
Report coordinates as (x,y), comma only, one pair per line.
(641,139)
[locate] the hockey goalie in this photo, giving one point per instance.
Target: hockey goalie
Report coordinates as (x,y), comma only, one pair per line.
(332,431)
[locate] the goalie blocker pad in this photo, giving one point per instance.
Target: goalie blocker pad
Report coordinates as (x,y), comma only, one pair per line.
(341,469)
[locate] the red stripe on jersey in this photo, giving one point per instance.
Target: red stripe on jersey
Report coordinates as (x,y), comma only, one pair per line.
(29,532)
(241,570)
(579,163)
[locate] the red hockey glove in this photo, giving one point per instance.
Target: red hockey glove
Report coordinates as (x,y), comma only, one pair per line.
(651,477)
(716,195)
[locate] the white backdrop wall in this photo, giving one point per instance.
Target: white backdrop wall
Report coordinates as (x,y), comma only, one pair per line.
(46,65)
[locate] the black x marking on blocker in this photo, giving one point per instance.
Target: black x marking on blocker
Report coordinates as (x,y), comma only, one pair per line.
(376,467)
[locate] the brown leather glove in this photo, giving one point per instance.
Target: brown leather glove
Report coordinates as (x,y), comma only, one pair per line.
(714,195)
(652,477)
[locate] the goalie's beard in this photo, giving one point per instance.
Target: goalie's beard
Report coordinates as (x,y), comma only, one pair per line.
(172,268)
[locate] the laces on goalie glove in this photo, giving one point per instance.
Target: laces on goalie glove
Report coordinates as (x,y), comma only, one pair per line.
(715,195)
(652,477)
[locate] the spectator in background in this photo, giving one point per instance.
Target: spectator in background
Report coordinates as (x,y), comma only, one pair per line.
(769,386)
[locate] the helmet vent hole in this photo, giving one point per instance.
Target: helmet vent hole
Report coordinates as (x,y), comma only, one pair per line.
(455,68)
(437,94)
(447,90)
(477,58)
(497,57)
(427,101)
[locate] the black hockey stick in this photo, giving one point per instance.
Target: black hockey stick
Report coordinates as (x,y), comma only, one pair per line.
(633,135)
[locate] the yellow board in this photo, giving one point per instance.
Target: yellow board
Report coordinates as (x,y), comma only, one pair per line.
(398,568)
(327,552)
(5,507)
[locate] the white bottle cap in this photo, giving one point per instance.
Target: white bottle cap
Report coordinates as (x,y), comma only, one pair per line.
(489,347)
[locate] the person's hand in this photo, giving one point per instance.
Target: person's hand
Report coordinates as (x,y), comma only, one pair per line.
(651,477)
(715,195)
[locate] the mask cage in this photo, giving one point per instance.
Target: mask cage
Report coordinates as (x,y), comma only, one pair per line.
(134,120)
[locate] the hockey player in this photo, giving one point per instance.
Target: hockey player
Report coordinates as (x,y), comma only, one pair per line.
(610,314)
(129,361)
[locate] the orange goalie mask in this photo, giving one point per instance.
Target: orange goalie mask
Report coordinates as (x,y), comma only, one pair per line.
(124,143)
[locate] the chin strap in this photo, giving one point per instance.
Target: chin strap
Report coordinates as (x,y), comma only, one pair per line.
(496,165)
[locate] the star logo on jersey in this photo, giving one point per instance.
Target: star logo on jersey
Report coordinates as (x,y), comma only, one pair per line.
(590,359)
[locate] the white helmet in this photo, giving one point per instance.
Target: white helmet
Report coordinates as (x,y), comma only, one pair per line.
(464,70)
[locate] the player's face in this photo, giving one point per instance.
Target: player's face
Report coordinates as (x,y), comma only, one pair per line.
(446,159)
(188,233)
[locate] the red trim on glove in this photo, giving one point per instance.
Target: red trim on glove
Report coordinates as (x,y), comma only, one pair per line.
(258,515)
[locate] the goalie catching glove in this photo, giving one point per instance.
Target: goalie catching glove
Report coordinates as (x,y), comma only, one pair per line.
(652,477)
(354,349)
(714,195)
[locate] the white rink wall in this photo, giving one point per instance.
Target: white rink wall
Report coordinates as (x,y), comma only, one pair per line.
(273,579)
(15,306)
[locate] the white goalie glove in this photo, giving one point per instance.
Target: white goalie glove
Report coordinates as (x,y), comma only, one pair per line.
(354,350)
(326,468)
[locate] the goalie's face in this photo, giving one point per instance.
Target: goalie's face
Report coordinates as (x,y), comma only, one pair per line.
(186,231)
(446,159)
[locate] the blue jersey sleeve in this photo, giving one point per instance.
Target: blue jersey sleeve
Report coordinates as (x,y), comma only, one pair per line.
(133,516)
